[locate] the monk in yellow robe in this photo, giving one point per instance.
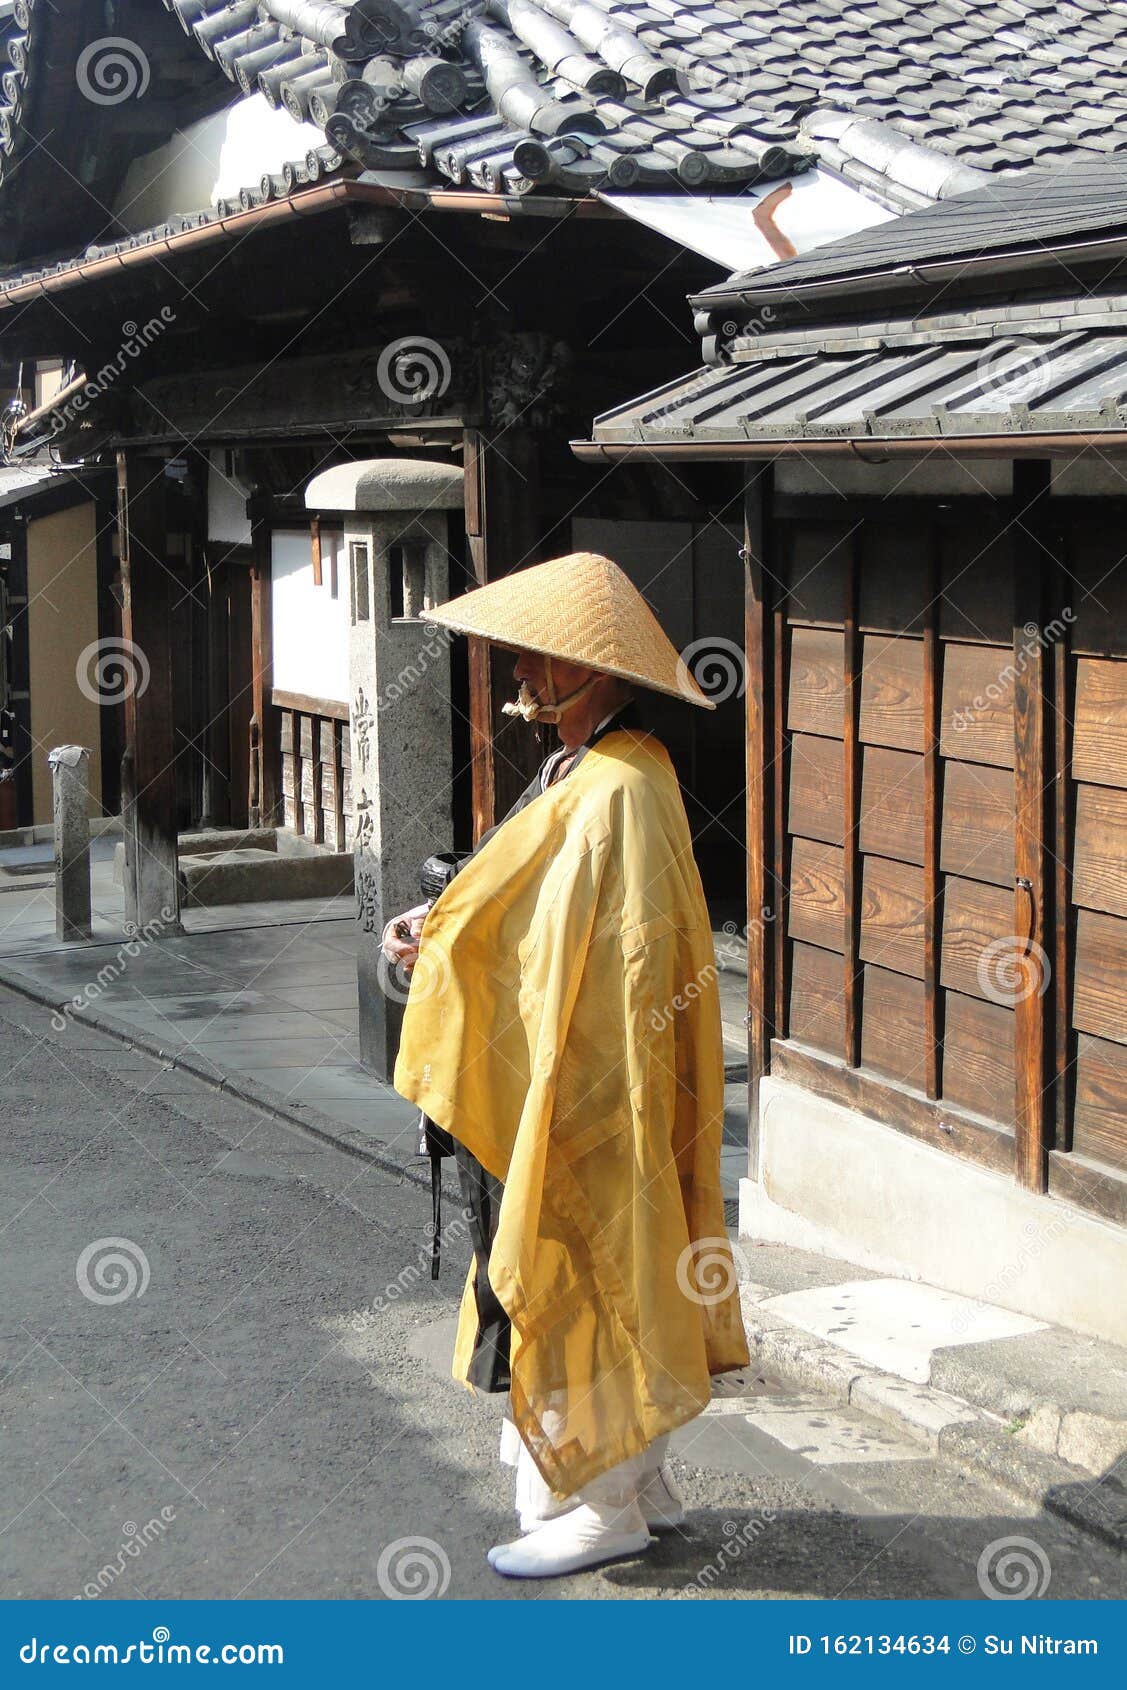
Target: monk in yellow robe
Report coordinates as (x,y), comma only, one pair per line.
(563,1026)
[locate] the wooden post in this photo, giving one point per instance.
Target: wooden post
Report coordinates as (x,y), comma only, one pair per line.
(152,892)
(216,805)
(265,735)
(503,530)
(933,810)
(851,787)
(780,783)
(1064,846)
(762,899)
(1030,514)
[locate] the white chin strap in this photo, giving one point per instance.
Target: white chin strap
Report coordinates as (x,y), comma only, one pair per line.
(529,707)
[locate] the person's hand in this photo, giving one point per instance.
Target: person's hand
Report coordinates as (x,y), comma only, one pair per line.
(397,949)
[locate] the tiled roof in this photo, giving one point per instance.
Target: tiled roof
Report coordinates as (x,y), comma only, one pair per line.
(511,94)
(913,100)
(1037,210)
(1011,371)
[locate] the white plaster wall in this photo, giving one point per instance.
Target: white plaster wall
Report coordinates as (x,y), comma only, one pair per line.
(310,625)
(227,520)
(212,160)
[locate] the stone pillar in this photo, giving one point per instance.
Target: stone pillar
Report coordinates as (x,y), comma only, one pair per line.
(400,727)
(148,798)
(70,772)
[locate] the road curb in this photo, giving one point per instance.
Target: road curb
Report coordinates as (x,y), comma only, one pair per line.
(944,1424)
(306,1117)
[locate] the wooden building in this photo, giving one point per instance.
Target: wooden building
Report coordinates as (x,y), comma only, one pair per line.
(277,239)
(933,437)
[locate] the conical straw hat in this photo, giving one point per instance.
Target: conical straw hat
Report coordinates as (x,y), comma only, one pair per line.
(582,608)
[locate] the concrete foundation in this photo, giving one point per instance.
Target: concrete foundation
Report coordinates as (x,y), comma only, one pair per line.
(258,866)
(836,1182)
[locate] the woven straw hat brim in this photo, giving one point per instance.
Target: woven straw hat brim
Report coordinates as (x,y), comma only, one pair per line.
(581,608)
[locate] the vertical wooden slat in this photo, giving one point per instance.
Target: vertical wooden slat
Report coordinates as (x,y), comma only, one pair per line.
(266,717)
(851,776)
(298,762)
(505,529)
(1063,849)
(321,778)
(933,811)
(482,763)
(780,769)
(1030,502)
(315,544)
(761,890)
(338,785)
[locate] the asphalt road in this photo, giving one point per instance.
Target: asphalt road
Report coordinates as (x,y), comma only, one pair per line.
(225,1373)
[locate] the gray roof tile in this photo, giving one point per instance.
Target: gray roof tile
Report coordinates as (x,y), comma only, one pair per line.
(1000,85)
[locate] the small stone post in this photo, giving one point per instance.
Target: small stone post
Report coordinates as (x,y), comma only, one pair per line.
(70,770)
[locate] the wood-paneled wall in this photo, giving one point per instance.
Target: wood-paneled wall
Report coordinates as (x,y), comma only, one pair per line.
(938,758)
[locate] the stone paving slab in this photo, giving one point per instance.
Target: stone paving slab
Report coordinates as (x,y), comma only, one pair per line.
(1036,1408)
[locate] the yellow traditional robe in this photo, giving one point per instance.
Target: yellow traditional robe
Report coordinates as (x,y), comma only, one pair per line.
(564,1025)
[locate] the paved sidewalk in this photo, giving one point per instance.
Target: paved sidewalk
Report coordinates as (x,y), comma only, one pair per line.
(257,998)
(1036,1408)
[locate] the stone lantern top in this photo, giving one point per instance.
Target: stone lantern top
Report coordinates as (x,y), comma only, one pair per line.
(386,484)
